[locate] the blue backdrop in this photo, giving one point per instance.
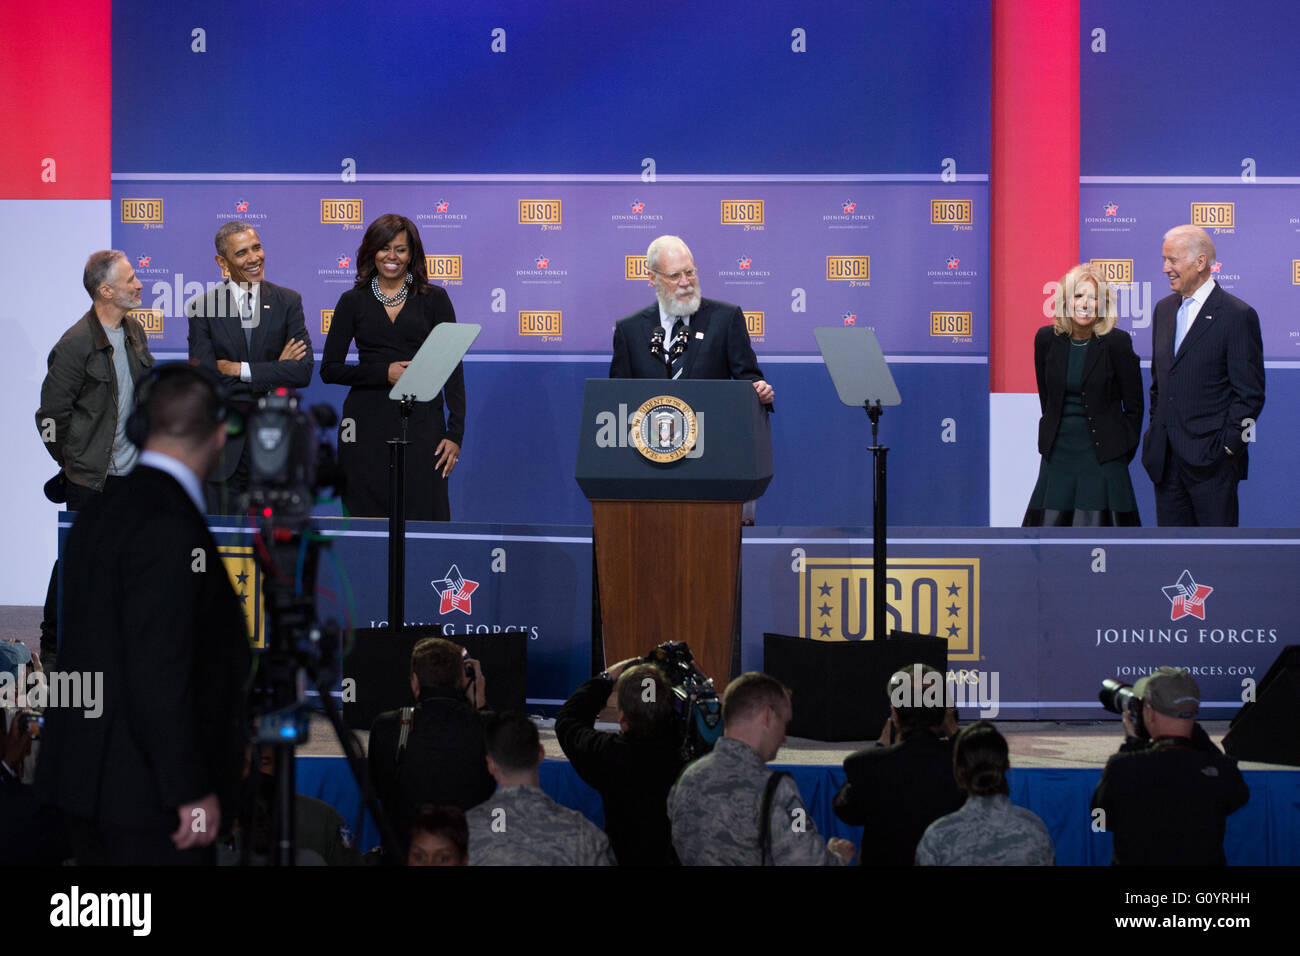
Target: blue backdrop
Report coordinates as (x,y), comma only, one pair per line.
(782,144)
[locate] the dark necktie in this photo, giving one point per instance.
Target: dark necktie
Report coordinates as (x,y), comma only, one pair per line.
(677,348)
(246,320)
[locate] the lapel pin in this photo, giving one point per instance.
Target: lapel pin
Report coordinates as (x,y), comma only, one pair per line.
(699,335)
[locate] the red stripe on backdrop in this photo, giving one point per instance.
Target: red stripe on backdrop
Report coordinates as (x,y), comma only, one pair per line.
(56,100)
(1034,189)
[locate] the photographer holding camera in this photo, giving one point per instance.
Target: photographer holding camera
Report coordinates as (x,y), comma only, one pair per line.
(1168,791)
(433,753)
(634,769)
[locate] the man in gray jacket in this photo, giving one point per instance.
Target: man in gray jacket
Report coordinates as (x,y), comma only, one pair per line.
(87,396)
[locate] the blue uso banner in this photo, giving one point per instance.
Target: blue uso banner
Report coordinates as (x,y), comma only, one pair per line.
(1035,620)
(464,579)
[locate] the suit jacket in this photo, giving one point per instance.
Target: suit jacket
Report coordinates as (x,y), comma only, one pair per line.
(1112,391)
(79,397)
(216,333)
(152,609)
(894,793)
(1200,396)
(719,345)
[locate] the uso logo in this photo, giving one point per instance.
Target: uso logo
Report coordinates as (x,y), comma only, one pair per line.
(442,268)
(847,268)
(540,212)
(325,316)
(1214,215)
(1295,271)
(142,210)
(756,324)
(151,319)
(1114,270)
(345,211)
(539,323)
(952,212)
(634,268)
(943,324)
(742,212)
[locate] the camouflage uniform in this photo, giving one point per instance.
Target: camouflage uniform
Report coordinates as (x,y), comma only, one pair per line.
(714,811)
(522,826)
(986,831)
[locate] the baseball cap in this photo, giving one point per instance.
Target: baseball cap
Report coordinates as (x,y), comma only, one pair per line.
(1170,691)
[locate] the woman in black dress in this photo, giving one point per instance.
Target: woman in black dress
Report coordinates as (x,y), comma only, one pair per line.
(389,312)
(1090,390)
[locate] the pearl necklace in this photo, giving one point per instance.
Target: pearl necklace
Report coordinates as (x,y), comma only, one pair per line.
(391,300)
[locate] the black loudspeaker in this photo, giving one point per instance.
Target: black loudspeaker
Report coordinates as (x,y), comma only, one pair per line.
(1265,729)
(839,689)
(380,664)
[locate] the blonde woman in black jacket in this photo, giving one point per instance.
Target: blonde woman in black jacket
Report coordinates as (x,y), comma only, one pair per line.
(1090,390)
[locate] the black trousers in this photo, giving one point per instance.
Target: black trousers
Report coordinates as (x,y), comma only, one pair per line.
(228,497)
(1192,496)
(78,497)
(94,844)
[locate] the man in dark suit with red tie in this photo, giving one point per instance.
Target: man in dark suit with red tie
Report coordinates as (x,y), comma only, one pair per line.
(683,335)
(253,335)
(1207,388)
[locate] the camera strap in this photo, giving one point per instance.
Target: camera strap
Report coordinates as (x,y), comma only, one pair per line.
(407,718)
(765,817)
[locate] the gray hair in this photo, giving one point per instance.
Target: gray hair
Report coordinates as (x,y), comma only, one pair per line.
(225,232)
(1195,239)
(98,266)
(652,253)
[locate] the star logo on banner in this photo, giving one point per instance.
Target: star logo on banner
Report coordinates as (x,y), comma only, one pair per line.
(1112,209)
(1187,597)
(241,206)
(1216,267)
(443,205)
(638,206)
(953,262)
(454,592)
(543,262)
(744,262)
(849,205)
(142,261)
(850,318)
(345,261)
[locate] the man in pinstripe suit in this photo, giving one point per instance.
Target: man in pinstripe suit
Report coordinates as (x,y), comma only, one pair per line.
(1207,388)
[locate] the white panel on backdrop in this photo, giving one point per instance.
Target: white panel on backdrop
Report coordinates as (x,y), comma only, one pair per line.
(43,249)
(1013,455)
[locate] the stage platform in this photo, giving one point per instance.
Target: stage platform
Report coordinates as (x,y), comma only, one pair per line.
(1055,768)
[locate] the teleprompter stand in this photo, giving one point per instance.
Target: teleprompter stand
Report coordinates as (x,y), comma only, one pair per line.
(422,381)
(841,684)
(861,376)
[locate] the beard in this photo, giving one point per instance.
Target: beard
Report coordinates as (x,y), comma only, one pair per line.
(676,307)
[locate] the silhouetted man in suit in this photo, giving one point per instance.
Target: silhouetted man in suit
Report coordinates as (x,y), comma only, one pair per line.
(152,776)
(252,333)
(1207,386)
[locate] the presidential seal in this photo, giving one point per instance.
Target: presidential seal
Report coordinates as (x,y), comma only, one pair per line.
(663,428)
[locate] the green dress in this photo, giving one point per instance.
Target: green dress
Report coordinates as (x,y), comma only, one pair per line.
(1073,488)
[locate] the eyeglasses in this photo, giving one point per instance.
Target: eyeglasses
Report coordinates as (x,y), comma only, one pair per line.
(678,276)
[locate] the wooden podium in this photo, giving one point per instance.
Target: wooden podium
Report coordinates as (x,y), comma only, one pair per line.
(667,466)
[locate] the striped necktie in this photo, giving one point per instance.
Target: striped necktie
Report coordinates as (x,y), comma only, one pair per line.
(679,353)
